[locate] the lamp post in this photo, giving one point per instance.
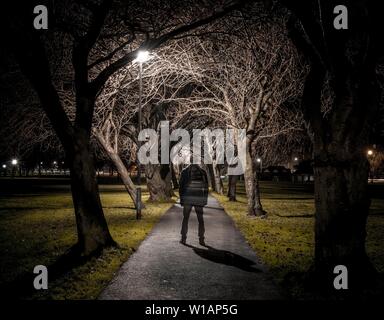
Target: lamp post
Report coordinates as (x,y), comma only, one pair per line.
(142,56)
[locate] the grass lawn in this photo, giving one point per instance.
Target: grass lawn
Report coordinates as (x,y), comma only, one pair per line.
(38,228)
(285,240)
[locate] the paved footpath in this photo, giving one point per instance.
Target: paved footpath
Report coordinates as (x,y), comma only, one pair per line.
(162,268)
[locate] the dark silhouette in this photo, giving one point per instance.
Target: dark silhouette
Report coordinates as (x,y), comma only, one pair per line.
(193,190)
(225,257)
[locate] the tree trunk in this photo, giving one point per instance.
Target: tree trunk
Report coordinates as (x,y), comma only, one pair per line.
(342,207)
(211,176)
(92,229)
(219,187)
(252,185)
(341,184)
(214,179)
(120,167)
(341,175)
(159,182)
(174,178)
(232,184)
(124,176)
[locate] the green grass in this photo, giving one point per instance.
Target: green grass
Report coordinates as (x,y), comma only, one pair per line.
(40,228)
(285,240)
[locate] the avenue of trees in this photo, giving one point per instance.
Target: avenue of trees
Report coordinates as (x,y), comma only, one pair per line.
(98,39)
(278,69)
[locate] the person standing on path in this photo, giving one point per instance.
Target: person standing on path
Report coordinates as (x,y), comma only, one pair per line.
(193,190)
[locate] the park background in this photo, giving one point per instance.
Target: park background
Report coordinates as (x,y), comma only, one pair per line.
(73,103)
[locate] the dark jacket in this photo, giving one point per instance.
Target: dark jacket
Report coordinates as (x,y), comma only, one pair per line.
(193,186)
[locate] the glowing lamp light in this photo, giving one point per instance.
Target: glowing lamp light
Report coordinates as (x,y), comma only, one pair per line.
(258,160)
(370,152)
(142,56)
(14,162)
(4,166)
(296,159)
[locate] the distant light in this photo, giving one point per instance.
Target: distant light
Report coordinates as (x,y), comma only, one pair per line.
(296,159)
(14,162)
(258,160)
(4,166)
(370,152)
(54,162)
(142,56)
(41,162)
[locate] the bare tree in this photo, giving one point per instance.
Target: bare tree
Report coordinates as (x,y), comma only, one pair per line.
(244,90)
(111,115)
(102,38)
(116,120)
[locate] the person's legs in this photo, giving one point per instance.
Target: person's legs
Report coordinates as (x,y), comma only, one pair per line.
(184,228)
(199,213)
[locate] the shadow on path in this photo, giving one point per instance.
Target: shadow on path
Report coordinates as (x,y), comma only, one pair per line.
(225,257)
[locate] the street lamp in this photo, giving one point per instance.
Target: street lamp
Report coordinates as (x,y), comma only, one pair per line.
(295,159)
(142,56)
(14,162)
(4,166)
(370,152)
